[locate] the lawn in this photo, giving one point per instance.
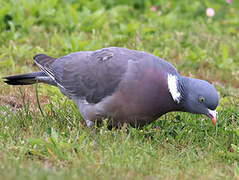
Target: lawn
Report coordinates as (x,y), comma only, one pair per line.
(42,135)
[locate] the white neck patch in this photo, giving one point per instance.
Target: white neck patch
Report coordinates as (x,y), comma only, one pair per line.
(173,88)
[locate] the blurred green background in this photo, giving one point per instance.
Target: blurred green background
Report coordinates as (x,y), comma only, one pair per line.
(56,145)
(178,31)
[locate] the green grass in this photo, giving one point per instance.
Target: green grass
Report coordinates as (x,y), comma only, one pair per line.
(55,144)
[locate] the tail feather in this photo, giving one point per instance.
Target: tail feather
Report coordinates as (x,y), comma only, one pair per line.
(45,76)
(23,79)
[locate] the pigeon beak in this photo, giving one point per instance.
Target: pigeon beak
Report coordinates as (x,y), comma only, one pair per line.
(212,114)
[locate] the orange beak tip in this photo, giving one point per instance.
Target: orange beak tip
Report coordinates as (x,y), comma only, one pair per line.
(214,120)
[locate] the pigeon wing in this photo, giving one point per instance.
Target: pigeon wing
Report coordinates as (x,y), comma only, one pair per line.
(88,75)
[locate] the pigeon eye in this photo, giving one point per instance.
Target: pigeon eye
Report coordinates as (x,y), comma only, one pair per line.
(201,99)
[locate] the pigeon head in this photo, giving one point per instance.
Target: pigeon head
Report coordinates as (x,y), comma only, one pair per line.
(200,97)
(196,96)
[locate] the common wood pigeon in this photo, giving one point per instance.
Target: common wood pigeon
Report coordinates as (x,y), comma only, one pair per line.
(125,86)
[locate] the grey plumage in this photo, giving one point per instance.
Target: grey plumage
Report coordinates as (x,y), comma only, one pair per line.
(126,86)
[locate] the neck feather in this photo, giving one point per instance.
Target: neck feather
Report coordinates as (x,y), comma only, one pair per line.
(176,87)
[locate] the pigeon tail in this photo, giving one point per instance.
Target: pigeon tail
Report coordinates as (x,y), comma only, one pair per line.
(29,78)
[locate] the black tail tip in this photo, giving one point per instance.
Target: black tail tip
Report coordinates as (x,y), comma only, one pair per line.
(22,79)
(10,82)
(19,82)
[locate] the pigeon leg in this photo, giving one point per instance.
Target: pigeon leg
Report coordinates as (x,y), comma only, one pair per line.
(87,111)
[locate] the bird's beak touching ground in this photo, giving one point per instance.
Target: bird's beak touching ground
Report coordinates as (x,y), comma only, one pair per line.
(212,114)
